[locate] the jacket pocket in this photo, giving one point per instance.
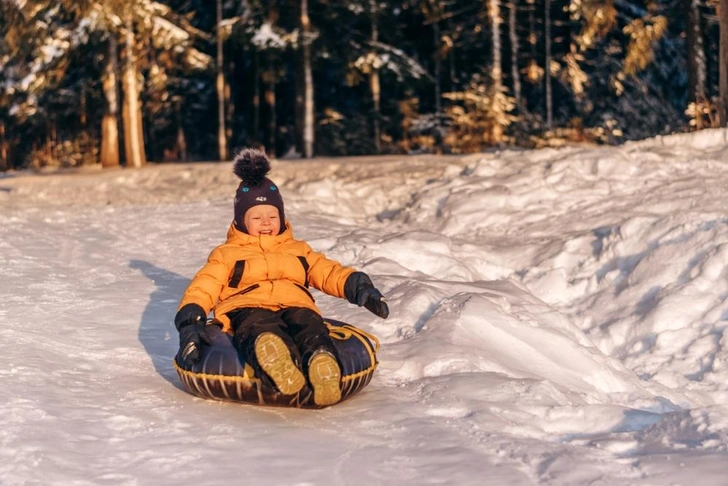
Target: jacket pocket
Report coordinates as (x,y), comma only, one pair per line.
(305,290)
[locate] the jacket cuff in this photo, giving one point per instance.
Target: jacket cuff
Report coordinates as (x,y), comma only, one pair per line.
(189,314)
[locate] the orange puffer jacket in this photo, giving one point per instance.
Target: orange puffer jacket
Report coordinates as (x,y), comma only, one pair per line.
(272,272)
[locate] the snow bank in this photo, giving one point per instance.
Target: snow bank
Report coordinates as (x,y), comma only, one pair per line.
(557,317)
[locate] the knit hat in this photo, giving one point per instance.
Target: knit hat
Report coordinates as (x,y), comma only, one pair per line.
(251,166)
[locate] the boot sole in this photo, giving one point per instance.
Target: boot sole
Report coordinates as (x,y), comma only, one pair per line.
(275,359)
(324,374)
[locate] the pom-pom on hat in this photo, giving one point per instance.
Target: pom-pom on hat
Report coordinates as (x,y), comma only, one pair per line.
(251,166)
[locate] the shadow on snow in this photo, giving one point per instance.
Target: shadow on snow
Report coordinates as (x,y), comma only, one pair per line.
(156,330)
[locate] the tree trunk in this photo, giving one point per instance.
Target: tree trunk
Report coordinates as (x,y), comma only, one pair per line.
(697,67)
(229,108)
(438,65)
(110,124)
(299,107)
(181,139)
(256,97)
(374,82)
(496,72)
(222,152)
(451,56)
(270,99)
(132,113)
(376,98)
(513,36)
(83,108)
(308,101)
(4,151)
(723,21)
(547,64)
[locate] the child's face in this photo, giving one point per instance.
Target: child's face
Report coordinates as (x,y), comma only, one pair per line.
(262,220)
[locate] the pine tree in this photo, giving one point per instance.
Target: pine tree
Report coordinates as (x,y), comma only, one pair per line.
(63,38)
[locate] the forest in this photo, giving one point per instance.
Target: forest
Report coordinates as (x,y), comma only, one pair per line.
(114,83)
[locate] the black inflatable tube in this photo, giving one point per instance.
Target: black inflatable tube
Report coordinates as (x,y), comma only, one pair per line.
(223,373)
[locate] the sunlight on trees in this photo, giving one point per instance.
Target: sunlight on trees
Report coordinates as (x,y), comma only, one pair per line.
(119,82)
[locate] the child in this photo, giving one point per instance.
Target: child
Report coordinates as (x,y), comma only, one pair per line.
(256,283)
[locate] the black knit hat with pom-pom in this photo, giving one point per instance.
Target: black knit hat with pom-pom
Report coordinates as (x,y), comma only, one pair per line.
(251,166)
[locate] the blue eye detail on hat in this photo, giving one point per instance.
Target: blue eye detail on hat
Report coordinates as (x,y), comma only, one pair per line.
(272,188)
(245,189)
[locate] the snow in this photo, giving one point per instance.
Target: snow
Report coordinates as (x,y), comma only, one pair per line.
(168,34)
(265,37)
(557,317)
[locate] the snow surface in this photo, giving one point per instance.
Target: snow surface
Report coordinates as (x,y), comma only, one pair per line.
(557,317)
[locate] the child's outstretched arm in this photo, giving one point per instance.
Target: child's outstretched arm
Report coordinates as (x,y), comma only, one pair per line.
(335,279)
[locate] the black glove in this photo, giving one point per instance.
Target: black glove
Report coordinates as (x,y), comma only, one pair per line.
(359,290)
(191,322)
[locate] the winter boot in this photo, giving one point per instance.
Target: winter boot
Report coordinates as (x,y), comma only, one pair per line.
(324,374)
(275,359)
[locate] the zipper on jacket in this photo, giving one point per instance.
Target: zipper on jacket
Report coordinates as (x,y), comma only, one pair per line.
(246,290)
(305,290)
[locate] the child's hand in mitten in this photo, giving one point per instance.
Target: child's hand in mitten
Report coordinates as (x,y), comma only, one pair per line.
(191,322)
(359,290)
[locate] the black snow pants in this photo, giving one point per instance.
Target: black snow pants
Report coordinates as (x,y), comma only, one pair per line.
(303,331)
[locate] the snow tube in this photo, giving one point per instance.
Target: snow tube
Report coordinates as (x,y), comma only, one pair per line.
(222,373)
